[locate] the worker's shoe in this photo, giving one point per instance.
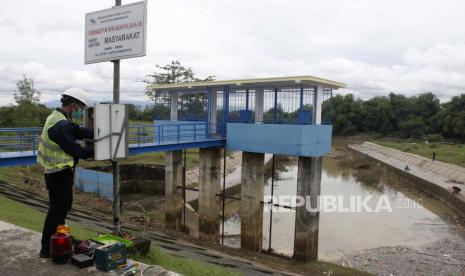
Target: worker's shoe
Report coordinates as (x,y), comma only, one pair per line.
(45,253)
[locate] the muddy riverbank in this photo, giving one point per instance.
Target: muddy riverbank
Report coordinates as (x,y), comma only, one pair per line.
(417,231)
(420,236)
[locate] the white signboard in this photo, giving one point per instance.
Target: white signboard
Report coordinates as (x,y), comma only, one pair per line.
(116,33)
(110,131)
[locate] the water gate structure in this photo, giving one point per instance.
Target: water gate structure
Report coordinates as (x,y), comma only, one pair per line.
(283,116)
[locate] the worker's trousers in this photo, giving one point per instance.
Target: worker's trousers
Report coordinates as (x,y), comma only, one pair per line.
(60,197)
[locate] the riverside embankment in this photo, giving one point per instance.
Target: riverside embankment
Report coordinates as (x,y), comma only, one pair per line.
(435,178)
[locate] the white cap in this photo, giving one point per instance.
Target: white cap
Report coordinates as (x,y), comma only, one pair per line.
(77,93)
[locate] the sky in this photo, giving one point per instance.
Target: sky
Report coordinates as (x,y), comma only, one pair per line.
(374,46)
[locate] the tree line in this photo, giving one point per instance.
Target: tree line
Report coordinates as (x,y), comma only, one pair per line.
(28,111)
(395,114)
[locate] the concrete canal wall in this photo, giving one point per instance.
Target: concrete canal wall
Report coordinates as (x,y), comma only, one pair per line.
(435,178)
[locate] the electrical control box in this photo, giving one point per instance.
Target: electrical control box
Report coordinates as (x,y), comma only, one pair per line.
(110,123)
(89,123)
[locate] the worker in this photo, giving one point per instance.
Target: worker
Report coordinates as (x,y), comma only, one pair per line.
(59,154)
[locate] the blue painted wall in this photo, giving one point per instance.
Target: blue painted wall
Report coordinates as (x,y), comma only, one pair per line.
(295,140)
(90,181)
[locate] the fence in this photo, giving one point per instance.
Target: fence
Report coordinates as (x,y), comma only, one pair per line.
(27,139)
(19,139)
(281,105)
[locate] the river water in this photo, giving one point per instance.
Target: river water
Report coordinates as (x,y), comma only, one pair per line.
(405,216)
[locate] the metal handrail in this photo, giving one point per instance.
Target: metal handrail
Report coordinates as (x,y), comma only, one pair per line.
(26,139)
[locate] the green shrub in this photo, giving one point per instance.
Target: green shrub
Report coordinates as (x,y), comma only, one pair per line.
(434,138)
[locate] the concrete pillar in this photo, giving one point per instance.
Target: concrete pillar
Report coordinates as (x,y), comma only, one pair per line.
(259,103)
(173,199)
(307,222)
(209,187)
(251,211)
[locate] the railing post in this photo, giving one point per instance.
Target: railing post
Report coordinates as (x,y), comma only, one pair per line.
(247,105)
(317,105)
(162,130)
(158,134)
(209,118)
(138,135)
(33,142)
(152,140)
(178,134)
(275,111)
(301,111)
(145,135)
(330,120)
(225,104)
(21,139)
(195,132)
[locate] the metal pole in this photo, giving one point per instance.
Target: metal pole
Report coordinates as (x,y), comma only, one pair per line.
(184,193)
(330,120)
(21,139)
(209,115)
(225,105)
(247,105)
(271,209)
(114,164)
(275,113)
(223,195)
(301,109)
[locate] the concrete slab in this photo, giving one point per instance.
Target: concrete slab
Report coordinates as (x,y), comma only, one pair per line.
(20,256)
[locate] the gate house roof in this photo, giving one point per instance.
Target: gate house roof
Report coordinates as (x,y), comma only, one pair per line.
(280,81)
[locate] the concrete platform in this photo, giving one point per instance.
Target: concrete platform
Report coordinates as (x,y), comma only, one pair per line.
(20,256)
(434,178)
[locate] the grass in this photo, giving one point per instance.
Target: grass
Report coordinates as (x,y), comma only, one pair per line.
(450,153)
(155,158)
(183,265)
(158,216)
(24,216)
(27,217)
(12,175)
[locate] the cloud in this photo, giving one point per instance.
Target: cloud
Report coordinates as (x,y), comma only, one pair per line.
(374,46)
(53,81)
(437,69)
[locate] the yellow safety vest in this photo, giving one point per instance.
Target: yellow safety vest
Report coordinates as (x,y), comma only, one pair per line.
(50,155)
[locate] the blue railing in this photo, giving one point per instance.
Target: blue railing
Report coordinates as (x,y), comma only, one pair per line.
(27,139)
(172,132)
(19,139)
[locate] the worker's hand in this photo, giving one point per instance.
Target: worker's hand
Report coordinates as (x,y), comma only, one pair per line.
(89,153)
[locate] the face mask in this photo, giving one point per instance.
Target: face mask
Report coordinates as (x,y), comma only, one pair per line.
(77,114)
